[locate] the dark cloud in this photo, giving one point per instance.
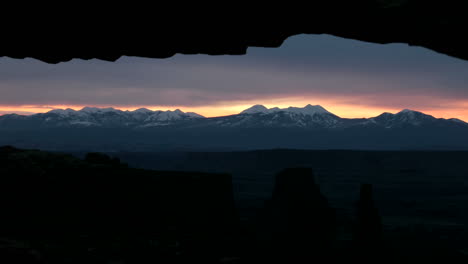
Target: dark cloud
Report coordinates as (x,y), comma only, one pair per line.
(314,65)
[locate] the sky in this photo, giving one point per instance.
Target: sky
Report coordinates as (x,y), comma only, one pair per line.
(347,77)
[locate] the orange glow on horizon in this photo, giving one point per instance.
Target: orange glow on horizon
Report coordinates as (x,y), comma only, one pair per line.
(339,108)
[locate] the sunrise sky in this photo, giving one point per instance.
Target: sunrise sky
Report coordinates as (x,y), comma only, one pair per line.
(349,78)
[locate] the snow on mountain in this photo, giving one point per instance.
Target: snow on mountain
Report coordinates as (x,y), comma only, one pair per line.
(307,110)
(315,116)
(141,110)
(88,109)
(64,112)
(166,115)
(404,118)
(194,115)
(413,117)
(310,116)
(107,117)
(256,109)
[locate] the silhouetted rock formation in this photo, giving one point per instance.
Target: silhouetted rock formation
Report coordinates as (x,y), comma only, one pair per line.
(301,222)
(368,230)
(56,197)
(60,209)
(438,25)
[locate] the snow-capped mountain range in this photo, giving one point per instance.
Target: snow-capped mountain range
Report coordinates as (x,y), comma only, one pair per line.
(307,110)
(309,127)
(315,116)
(310,116)
(100,117)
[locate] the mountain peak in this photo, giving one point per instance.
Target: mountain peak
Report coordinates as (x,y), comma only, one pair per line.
(193,114)
(457,120)
(315,109)
(89,109)
(407,111)
(306,110)
(142,110)
(255,109)
(62,111)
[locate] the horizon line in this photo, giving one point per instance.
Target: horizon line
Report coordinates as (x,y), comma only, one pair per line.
(132,109)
